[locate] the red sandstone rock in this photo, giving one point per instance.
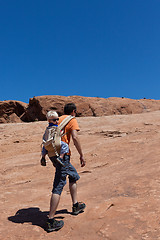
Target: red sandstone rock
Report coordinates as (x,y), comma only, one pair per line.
(86,106)
(11,111)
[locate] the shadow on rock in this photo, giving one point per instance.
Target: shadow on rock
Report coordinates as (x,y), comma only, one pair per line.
(34,216)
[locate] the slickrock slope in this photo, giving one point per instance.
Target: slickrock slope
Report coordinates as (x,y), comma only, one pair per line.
(120,183)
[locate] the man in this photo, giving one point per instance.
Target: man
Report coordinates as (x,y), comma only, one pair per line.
(71,130)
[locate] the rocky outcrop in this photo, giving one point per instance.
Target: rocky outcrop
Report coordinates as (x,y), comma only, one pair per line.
(12,111)
(87,106)
(39,106)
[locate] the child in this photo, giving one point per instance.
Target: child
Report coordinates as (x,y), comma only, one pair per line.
(52,117)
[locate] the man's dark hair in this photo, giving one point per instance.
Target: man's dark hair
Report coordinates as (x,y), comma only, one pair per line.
(69,107)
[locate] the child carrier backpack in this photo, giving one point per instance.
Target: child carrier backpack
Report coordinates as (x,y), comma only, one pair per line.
(52,137)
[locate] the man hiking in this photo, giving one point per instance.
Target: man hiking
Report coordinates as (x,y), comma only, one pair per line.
(70,130)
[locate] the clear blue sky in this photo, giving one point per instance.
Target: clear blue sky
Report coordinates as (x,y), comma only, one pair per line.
(93,48)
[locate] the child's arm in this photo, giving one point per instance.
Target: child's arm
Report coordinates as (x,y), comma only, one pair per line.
(44,153)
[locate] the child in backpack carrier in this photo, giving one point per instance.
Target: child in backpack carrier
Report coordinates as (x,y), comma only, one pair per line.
(52,117)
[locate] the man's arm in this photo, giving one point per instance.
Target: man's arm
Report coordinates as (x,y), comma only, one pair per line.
(77,144)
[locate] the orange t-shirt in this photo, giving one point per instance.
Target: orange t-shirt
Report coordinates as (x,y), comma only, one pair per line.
(72,125)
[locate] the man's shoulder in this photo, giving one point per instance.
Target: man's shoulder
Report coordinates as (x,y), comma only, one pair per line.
(61,118)
(73,124)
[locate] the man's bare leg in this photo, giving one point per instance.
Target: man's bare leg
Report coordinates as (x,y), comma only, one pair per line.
(77,206)
(73,191)
(53,204)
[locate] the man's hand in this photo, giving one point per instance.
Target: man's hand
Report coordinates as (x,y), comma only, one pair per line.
(83,162)
(43,161)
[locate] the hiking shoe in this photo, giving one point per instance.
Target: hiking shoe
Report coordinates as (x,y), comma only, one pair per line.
(54,225)
(79,208)
(60,160)
(43,161)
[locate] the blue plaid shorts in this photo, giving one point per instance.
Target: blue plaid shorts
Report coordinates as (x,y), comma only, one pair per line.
(61,174)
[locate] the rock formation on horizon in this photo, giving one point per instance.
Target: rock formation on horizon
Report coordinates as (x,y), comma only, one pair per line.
(17,111)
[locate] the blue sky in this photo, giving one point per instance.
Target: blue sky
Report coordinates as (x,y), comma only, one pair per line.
(97,48)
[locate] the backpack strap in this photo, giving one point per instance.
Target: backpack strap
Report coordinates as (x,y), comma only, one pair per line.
(59,128)
(65,122)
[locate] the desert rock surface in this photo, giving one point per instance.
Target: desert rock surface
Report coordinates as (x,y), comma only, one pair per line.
(120,183)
